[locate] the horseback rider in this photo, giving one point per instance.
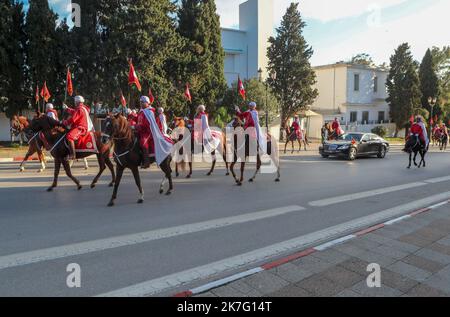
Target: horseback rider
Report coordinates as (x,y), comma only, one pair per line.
(132,117)
(79,124)
(144,132)
(251,118)
(51,112)
(162,121)
(336,126)
(297,128)
(418,128)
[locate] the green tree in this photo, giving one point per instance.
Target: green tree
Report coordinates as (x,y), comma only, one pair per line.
(203,66)
(362,59)
(40,29)
(289,56)
(403,87)
(429,83)
(441,61)
(13,93)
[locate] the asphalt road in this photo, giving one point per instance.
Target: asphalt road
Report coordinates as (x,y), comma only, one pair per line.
(208,227)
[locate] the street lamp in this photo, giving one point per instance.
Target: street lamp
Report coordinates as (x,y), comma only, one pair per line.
(260,77)
(432,102)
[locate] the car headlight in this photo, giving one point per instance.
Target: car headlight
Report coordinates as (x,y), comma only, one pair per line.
(344,147)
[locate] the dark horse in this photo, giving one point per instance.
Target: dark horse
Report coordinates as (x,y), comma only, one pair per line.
(413,145)
(127,154)
(55,139)
(181,124)
(272,150)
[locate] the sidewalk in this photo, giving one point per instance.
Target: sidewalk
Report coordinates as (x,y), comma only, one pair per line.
(414,256)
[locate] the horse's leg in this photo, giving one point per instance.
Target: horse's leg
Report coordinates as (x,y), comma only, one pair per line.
(137,179)
(190,170)
(214,161)
(242,174)
(232,170)
(168,175)
(86,164)
(285,146)
(41,157)
(119,172)
(70,175)
(56,174)
(31,151)
(102,167)
(227,166)
(293,147)
(415,157)
(258,168)
(176,170)
(410,160)
(111,168)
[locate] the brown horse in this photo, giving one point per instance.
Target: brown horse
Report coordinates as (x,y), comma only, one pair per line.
(272,149)
(181,124)
(292,137)
(127,154)
(59,150)
(20,128)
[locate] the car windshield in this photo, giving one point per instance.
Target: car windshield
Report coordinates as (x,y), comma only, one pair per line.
(351,136)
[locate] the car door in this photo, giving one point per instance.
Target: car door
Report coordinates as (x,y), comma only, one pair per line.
(364,146)
(374,143)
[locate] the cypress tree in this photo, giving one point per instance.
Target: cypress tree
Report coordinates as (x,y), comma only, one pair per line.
(289,56)
(199,24)
(403,87)
(429,83)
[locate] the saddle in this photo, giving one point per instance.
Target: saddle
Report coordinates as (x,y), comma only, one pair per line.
(86,144)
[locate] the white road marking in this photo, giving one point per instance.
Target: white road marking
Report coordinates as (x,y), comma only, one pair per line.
(159,285)
(30,257)
(334,242)
(388,223)
(370,193)
(438,180)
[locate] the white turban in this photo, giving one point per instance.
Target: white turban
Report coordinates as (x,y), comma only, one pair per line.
(128,111)
(49,106)
(252,105)
(201,108)
(145,99)
(79,99)
(160,110)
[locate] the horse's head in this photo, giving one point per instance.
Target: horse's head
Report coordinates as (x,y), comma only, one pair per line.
(237,123)
(179,122)
(116,127)
(43,123)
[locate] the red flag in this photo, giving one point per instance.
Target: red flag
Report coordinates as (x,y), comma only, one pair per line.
(36,96)
(411,119)
(132,77)
(187,93)
(69,86)
(150,96)
(45,93)
(123,101)
(241,88)
(431,121)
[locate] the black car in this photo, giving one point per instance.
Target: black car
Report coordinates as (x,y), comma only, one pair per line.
(353,145)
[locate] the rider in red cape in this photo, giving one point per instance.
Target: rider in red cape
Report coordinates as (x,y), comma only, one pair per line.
(132,117)
(336,126)
(251,119)
(297,128)
(151,138)
(418,128)
(79,124)
(161,120)
(51,112)
(202,132)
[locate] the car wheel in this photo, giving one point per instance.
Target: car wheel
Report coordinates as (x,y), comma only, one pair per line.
(382,152)
(352,154)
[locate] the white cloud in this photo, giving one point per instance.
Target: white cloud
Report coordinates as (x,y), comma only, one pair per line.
(422,30)
(323,10)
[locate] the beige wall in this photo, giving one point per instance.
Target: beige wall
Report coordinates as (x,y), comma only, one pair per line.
(331,84)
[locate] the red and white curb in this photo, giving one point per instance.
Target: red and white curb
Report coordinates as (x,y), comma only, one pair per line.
(304,253)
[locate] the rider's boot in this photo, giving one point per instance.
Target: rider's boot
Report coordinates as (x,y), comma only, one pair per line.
(72,155)
(145,159)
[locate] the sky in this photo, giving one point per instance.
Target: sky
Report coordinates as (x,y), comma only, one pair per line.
(340,29)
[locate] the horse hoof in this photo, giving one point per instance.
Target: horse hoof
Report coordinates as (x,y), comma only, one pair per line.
(168,193)
(239,184)
(111,203)
(189,176)
(251,180)
(41,171)
(140,201)
(209,174)
(161,191)
(50,189)
(22,169)
(79,187)
(277,180)
(177,174)
(227,174)
(111,184)
(92,186)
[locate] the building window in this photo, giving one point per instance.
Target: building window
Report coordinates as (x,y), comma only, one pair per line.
(353,116)
(365,117)
(381,117)
(356,82)
(375,84)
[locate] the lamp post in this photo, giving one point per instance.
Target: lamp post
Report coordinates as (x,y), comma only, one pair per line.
(432,102)
(260,77)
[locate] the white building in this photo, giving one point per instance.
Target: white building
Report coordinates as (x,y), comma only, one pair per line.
(355,94)
(246,47)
